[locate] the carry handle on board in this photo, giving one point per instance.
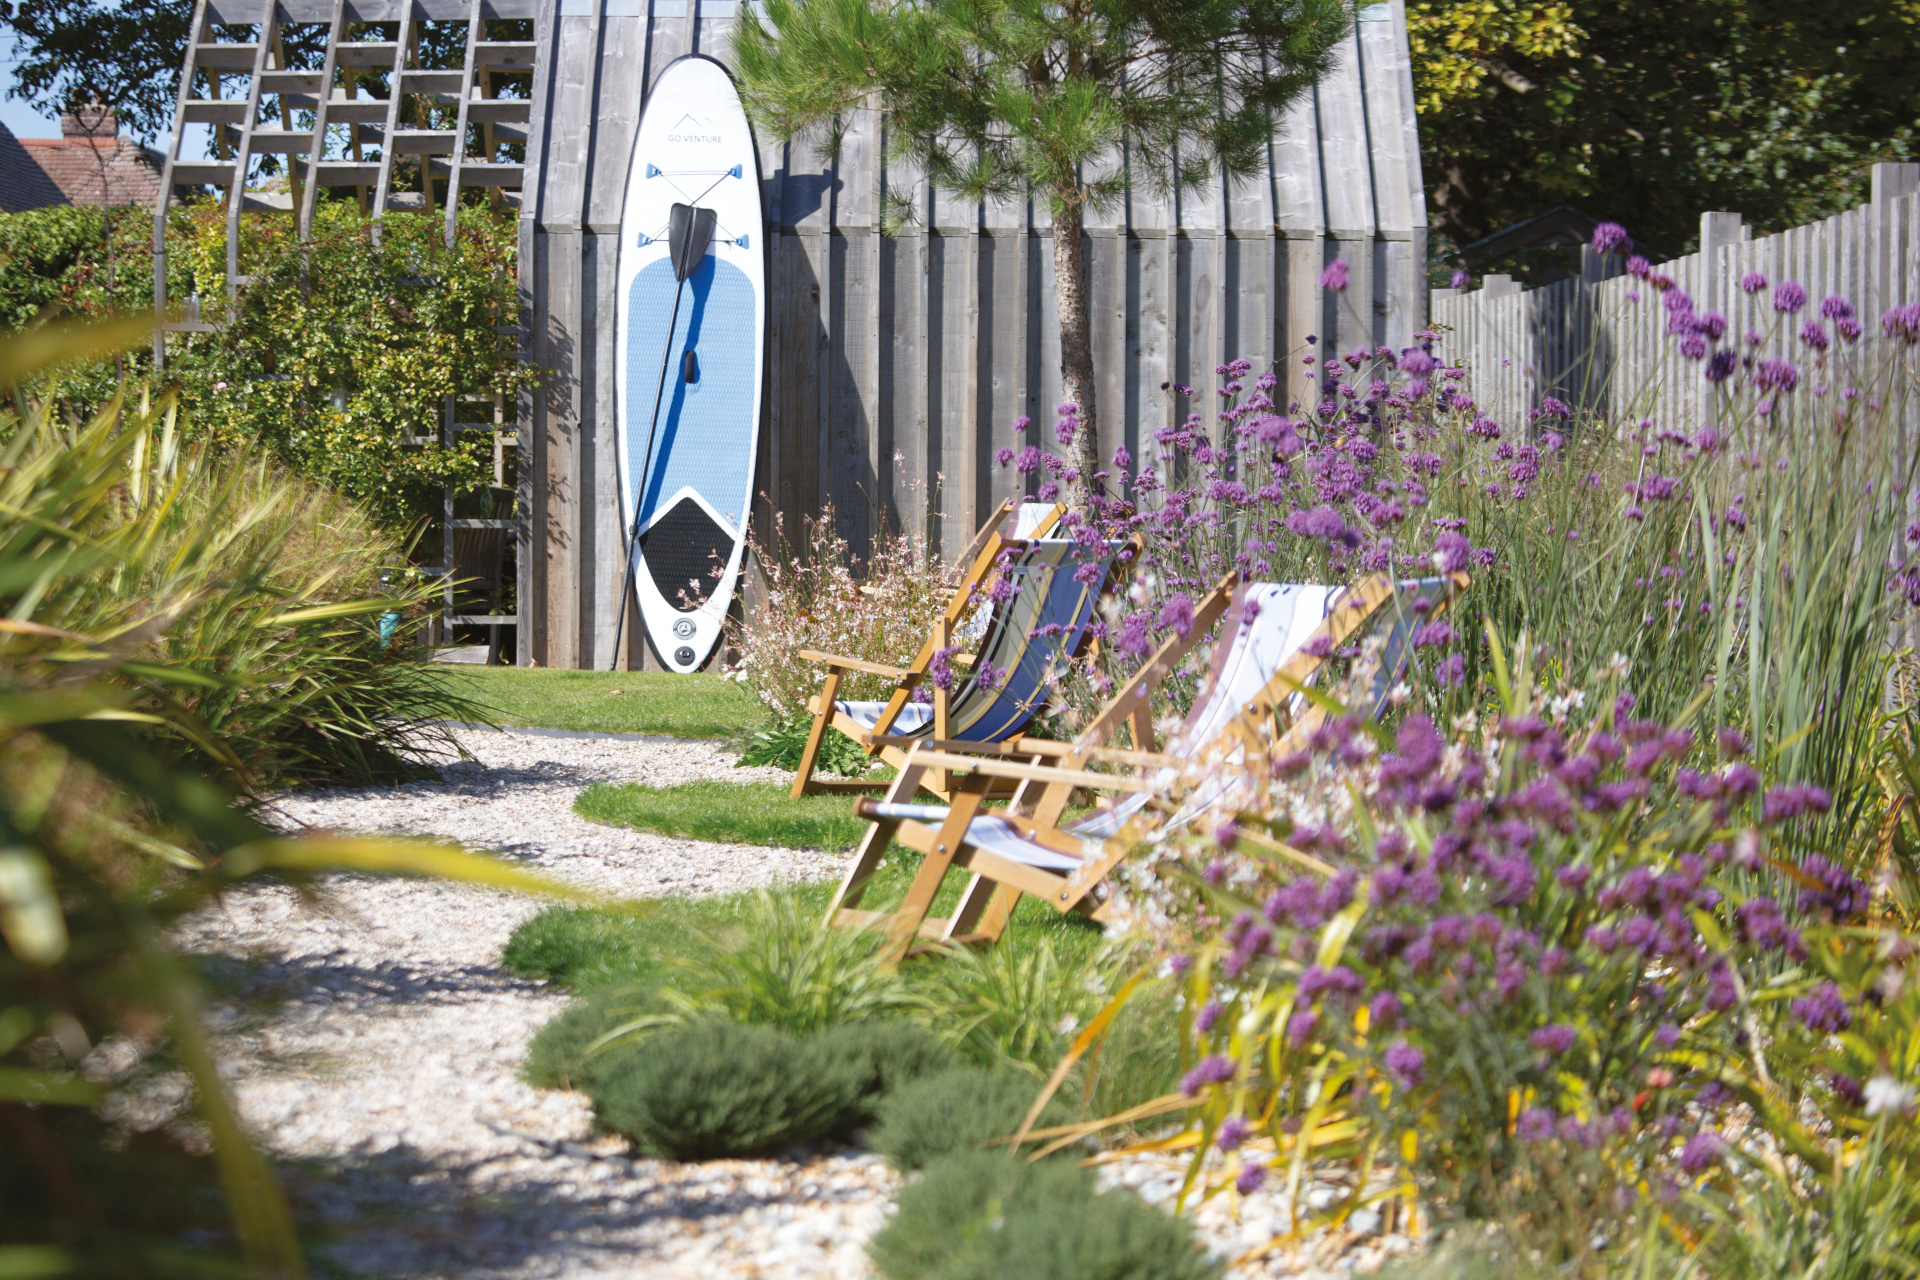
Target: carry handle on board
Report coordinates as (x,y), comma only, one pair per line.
(689,235)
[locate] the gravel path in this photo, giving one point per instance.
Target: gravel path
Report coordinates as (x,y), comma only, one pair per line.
(375,1044)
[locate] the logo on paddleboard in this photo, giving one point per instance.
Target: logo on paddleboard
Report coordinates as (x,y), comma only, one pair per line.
(691,128)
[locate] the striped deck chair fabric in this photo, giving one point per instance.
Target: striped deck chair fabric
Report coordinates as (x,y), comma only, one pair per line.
(1027,642)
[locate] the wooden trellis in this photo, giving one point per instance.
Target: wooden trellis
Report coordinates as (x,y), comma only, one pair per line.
(238,59)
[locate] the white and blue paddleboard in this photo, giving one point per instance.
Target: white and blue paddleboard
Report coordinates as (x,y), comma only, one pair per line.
(693,147)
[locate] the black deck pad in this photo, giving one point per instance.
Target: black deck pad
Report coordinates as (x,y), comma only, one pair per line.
(682,549)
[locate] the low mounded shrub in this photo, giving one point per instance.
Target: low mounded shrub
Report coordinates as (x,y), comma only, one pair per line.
(954,1110)
(558,1057)
(884,1056)
(714,1088)
(980,1216)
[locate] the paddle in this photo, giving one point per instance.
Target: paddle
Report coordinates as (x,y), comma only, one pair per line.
(689,233)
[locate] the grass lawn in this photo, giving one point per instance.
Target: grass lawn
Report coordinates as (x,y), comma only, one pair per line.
(726,812)
(614,701)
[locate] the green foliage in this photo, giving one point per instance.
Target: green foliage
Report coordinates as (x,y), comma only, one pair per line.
(777,967)
(1774,109)
(592,946)
(125,55)
(763,958)
(955,1110)
(1014,1005)
(1137,1060)
(339,350)
(980,1216)
(783,744)
(1190,91)
(674,706)
(885,1055)
(726,812)
(563,1053)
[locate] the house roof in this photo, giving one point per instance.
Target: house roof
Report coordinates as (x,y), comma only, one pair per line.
(91,164)
(23,183)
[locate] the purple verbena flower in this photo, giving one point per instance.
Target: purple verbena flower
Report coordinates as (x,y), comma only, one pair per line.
(1234,1130)
(1534,1125)
(1216,1069)
(1789,297)
(1611,236)
(1702,1152)
(1406,1063)
(1555,1038)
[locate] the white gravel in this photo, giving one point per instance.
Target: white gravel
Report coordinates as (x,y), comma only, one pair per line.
(375,1044)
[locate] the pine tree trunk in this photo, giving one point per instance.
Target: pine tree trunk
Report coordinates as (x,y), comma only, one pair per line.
(1076,352)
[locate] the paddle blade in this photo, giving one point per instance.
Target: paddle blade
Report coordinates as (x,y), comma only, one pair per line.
(689,232)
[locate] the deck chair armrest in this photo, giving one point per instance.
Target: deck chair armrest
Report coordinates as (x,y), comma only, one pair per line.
(1002,768)
(1022,747)
(853,664)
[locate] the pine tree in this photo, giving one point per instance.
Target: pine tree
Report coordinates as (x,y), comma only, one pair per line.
(998,98)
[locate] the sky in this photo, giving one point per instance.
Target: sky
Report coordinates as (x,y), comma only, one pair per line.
(16,115)
(25,122)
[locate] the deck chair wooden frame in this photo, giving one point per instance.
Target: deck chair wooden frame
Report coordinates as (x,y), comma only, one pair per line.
(982,555)
(1049,773)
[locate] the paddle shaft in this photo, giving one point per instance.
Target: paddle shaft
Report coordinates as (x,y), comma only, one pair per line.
(633,539)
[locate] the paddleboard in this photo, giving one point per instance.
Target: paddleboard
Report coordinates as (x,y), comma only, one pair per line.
(694,487)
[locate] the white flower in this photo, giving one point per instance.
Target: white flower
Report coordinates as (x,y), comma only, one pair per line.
(1466,722)
(1560,706)
(1884,1093)
(1617,668)
(1399,694)
(1067,1025)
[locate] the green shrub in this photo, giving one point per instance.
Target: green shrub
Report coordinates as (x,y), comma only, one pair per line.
(954,1110)
(979,1216)
(775,966)
(885,1056)
(1139,1059)
(255,590)
(1014,1004)
(560,1057)
(712,1089)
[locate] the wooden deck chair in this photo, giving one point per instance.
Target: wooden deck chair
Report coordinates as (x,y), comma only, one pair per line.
(1029,520)
(1027,645)
(1257,671)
